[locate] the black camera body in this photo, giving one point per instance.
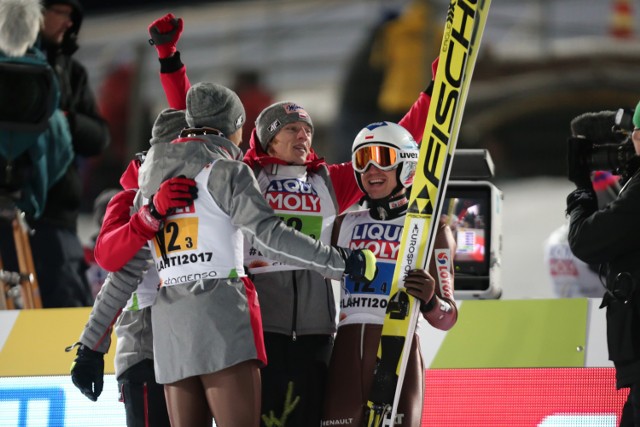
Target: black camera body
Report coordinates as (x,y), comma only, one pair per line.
(602,141)
(617,158)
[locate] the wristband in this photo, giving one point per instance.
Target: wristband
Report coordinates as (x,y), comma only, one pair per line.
(171,64)
(153,211)
(148,219)
(428,306)
(429,89)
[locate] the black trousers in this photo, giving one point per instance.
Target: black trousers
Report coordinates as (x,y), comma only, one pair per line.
(143,398)
(300,366)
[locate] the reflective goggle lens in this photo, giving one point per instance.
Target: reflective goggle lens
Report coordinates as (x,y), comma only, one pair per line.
(383,157)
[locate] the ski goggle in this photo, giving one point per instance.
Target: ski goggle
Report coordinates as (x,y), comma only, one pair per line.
(383,157)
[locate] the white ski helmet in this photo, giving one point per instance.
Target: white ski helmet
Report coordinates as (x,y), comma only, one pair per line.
(402,154)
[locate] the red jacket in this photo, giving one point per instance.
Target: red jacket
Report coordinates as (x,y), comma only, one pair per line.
(122,234)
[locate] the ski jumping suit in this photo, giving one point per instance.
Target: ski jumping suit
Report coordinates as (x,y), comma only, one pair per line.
(298,309)
(362,312)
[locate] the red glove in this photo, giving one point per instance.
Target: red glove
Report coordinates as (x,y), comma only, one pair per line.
(173,193)
(165,33)
(421,285)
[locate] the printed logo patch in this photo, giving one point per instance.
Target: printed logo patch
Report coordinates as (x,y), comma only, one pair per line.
(563,267)
(292,195)
(443,265)
(291,108)
(381,239)
(274,126)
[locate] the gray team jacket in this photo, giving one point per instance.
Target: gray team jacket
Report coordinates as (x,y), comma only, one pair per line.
(133,328)
(297,302)
(235,189)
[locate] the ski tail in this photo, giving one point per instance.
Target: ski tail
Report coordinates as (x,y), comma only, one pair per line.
(464,28)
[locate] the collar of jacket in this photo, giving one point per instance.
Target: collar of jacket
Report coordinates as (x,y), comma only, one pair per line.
(214,141)
(389,207)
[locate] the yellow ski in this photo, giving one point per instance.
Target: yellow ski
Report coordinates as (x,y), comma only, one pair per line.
(463,32)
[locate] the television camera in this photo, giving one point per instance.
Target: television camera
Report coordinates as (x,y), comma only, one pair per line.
(473,209)
(602,141)
(28,94)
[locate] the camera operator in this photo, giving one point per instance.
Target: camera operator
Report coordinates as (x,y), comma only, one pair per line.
(609,236)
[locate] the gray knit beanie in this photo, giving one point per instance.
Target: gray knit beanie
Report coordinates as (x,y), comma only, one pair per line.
(275,116)
(215,106)
(167,126)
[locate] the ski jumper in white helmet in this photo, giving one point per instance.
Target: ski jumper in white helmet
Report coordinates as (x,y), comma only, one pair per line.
(389,147)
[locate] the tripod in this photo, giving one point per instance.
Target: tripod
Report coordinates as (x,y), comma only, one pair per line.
(19,289)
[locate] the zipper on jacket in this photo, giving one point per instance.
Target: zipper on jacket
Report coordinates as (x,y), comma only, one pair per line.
(294,316)
(331,301)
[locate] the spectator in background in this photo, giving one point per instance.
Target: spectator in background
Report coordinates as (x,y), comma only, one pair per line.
(57,251)
(387,70)
(254,96)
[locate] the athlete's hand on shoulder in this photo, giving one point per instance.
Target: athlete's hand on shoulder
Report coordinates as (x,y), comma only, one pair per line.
(360,264)
(177,192)
(87,372)
(421,285)
(165,33)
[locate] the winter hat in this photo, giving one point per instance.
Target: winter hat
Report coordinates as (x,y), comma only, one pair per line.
(275,116)
(215,106)
(636,117)
(76,16)
(167,126)
(73,3)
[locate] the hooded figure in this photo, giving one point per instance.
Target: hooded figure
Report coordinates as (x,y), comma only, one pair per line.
(69,43)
